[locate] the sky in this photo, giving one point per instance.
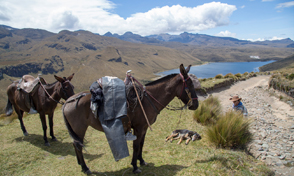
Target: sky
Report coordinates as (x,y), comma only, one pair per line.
(255,20)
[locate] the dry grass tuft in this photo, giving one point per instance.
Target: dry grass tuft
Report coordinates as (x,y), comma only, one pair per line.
(208,111)
(231,130)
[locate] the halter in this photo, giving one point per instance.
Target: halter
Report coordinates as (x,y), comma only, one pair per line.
(62,90)
(168,106)
(185,86)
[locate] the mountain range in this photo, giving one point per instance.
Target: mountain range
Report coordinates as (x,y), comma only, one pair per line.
(200,39)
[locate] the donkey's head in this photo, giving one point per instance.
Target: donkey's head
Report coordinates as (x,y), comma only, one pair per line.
(187,93)
(67,89)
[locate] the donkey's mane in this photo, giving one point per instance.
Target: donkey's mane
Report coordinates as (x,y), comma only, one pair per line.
(50,84)
(163,79)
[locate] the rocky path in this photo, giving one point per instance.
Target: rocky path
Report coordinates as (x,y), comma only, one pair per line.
(273,123)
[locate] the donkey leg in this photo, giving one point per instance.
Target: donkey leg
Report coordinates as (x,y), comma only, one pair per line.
(80,158)
(50,116)
(20,115)
(44,126)
(137,148)
(140,158)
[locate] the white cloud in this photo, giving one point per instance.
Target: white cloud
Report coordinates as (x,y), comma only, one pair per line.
(242,7)
(285,4)
(264,39)
(96,16)
(267,0)
(226,34)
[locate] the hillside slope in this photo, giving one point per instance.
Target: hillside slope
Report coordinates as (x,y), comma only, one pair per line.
(285,64)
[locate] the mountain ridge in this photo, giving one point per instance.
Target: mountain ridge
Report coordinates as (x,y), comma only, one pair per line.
(199,39)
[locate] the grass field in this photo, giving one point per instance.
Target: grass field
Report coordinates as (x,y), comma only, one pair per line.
(27,155)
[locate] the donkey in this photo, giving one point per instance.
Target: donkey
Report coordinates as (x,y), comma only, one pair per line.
(78,115)
(45,99)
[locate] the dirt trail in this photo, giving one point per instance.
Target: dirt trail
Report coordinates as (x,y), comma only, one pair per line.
(273,125)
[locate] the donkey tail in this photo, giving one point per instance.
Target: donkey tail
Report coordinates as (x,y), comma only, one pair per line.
(8,109)
(76,140)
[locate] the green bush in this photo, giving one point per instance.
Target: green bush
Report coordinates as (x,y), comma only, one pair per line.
(219,76)
(291,76)
(229,75)
(246,73)
(238,75)
(231,130)
(208,111)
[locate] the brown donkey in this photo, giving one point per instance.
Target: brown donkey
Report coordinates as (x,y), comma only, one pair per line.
(78,115)
(45,99)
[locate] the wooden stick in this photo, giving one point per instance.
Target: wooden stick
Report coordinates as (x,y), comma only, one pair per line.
(141,103)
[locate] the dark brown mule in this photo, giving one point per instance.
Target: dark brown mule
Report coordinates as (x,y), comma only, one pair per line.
(44,104)
(78,115)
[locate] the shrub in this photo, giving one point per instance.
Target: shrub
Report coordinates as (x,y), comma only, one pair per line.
(238,75)
(231,130)
(219,76)
(229,75)
(291,76)
(246,73)
(208,111)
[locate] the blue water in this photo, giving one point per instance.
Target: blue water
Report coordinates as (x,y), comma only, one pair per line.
(212,69)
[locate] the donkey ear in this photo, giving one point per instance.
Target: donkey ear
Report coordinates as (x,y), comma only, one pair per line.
(59,79)
(188,68)
(184,71)
(70,77)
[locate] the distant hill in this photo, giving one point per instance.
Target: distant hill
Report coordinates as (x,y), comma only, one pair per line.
(286,64)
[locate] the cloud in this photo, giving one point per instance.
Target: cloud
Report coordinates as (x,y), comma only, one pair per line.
(3,14)
(285,4)
(263,39)
(178,18)
(226,34)
(267,0)
(96,16)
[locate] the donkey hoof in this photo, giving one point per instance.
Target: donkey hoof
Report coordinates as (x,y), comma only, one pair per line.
(47,144)
(144,164)
(137,171)
(25,133)
(88,172)
(54,139)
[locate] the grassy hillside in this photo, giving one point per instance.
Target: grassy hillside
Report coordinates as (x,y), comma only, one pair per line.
(286,65)
(27,155)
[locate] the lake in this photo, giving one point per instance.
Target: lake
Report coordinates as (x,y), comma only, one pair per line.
(212,69)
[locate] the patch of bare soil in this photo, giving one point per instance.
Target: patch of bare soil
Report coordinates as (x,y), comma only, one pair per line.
(273,122)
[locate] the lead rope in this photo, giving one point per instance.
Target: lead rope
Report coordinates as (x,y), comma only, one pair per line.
(49,94)
(169,107)
(140,103)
